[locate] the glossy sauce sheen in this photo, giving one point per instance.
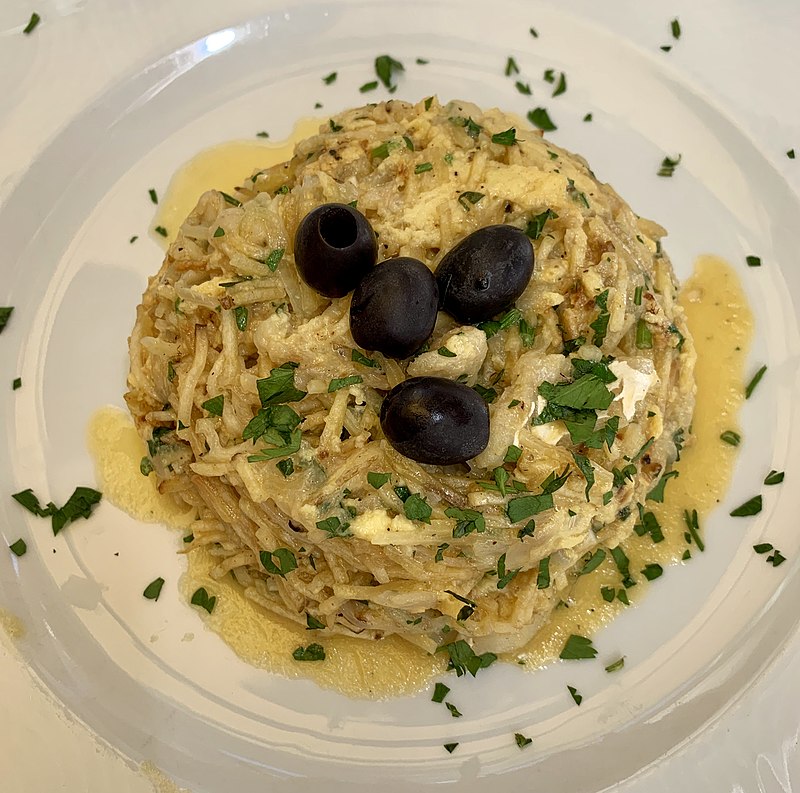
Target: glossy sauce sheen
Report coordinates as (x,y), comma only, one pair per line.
(721,324)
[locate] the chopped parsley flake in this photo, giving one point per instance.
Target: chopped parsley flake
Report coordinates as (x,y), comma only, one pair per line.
(774,477)
(334,126)
(440,691)
(511,67)
(588,117)
(577,648)
(161,230)
(330,78)
(378,480)
(644,337)
(523,88)
(273,260)
(594,561)
(19,548)
(668,166)
(652,571)
(533,32)
(262,134)
(763,547)
(153,195)
(278,562)
(469,197)
(286,467)
(201,598)
(214,405)
(279,386)
(535,225)
(561,86)
(675,28)
(133,239)
(751,386)
(657,493)
(586,469)
(790,154)
(750,507)
(450,747)
(370,86)
(423,167)
(240,313)
(334,527)
(344,382)
(506,138)
(573,692)
(519,509)
(153,589)
(454,711)
(417,508)
(540,118)
(730,437)
(314,652)
(445,352)
(220,232)
(513,454)
(146,466)
(463,658)
(385,68)
(776,559)
(753,261)
(359,357)
(5,315)
(467,521)
(79,505)
(423,62)
(313,624)
(521,740)
(543,577)
(505,577)
(16,384)
(618,664)
(32,24)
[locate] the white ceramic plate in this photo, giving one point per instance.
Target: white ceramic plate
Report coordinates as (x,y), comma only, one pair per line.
(119,664)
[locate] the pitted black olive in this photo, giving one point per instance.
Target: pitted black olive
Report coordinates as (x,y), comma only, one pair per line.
(334,248)
(434,420)
(485,273)
(394,307)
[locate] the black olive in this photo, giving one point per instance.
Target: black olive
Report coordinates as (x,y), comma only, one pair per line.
(434,420)
(394,307)
(485,273)
(334,248)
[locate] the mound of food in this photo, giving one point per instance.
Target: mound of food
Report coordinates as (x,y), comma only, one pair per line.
(438,453)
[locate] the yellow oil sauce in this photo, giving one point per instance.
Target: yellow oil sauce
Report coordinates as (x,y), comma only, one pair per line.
(117,451)
(721,325)
(222,167)
(12,626)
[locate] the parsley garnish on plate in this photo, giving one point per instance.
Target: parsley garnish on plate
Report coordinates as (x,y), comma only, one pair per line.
(204,600)
(214,405)
(618,664)
(161,230)
(750,507)
(511,67)
(774,477)
(417,508)
(314,652)
(594,561)
(370,86)
(753,261)
(32,24)
(19,548)
(16,384)
(386,67)
(450,747)
(469,197)
(731,438)
(153,195)
(751,386)
(463,658)
(262,134)
(330,78)
(423,167)
(573,692)
(521,740)
(5,315)
(523,88)
(79,505)
(540,118)
(790,154)
(535,225)
(561,86)
(668,165)
(505,138)
(440,691)
(153,589)
(378,480)
(334,527)
(577,648)
(675,28)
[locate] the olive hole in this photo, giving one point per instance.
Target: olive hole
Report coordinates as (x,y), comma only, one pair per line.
(338,228)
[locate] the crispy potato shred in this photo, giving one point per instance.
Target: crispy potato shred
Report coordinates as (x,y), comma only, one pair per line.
(589,378)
